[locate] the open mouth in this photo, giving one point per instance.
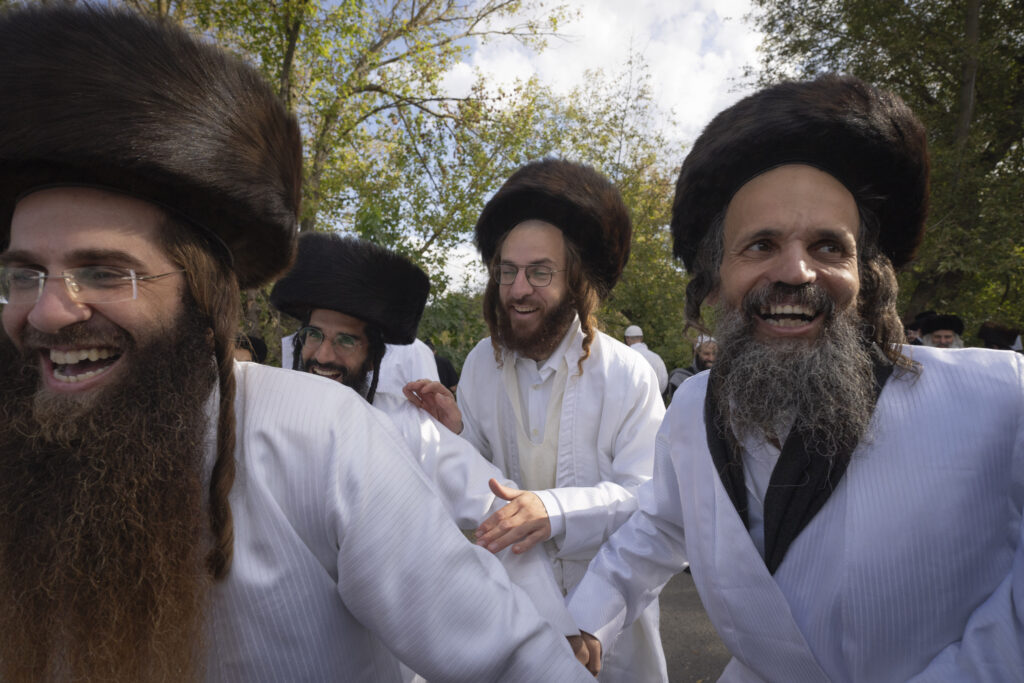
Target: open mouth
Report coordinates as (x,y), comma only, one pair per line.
(78,365)
(524,310)
(330,372)
(788,315)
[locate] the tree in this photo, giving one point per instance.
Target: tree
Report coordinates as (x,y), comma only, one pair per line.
(960,66)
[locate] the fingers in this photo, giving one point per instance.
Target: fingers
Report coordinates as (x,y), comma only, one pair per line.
(594,649)
(502,491)
(579,648)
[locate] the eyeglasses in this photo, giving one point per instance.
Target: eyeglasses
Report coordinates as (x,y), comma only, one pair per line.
(537,276)
(342,343)
(86,285)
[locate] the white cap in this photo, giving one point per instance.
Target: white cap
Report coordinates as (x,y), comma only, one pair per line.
(634,331)
(703,339)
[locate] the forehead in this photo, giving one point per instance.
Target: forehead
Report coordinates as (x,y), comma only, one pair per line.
(533,241)
(64,224)
(333,322)
(794,197)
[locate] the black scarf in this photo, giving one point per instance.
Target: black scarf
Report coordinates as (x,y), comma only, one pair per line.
(800,483)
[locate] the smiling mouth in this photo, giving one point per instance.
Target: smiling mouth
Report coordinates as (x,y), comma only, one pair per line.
(78,365)
(788,315)
(326,371)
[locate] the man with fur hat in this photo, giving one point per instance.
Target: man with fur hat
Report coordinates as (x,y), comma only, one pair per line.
(850,506)
(167,514)
(352,297)
(943,331)
(559,407)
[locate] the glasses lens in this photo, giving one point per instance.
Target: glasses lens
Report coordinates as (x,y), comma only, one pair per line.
(345,341)
(310,335)
(538,276)
(505,275)
(101,284)
(19,285)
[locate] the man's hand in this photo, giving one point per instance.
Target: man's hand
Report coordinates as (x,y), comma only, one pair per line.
(436,399)
(579,648)
(594,649)
(524,521)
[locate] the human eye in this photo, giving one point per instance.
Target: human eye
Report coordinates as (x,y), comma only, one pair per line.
(761,245)
(101,277)
(345,341)
(311,334)
(21,278)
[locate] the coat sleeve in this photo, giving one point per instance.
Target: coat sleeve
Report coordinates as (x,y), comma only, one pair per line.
(467,397)
(627,430)
(638,560)
(438,602)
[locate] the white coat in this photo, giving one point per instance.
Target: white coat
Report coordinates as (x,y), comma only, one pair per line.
(344,558)
(912,571)
(609,418)
(656,362)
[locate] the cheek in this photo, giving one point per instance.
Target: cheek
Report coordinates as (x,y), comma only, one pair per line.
(13,320)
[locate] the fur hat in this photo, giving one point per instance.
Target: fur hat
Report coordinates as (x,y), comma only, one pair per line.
(357,278)
(996,336)
(107,98)
(866,138)
(576,199)
(934,323)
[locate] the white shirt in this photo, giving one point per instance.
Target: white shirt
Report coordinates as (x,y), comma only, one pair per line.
(345,558)
(656,362)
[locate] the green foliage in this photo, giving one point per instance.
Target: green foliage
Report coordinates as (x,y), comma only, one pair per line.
(960,66)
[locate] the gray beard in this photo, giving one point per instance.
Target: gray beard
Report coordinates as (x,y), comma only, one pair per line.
(824,388)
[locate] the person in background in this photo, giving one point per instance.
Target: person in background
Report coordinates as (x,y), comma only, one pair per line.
(942,331)
(705,350)
(250,348)
(446,372)
(561,408)
(635,340)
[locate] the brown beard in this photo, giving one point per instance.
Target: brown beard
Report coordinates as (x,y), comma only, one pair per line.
(101,513)
(545,340)
(824,387)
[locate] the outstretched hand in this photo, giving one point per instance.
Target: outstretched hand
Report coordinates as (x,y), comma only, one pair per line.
(524,521)
(436,399)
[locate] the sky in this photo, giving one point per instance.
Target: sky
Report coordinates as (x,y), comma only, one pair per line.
(695,51)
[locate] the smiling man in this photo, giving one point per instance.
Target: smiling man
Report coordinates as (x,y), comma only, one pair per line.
(167,514)
(850,507)
(559,407)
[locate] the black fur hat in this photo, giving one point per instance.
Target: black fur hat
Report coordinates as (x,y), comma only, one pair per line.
(104,97)
(934,323)
(357,278)
(574,197)
(866,138)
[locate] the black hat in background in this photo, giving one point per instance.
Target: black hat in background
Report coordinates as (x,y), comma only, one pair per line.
(934,323)
(357,278)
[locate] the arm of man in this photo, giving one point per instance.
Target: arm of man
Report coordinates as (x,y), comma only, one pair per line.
(437,400)
(490,629)
(634,565)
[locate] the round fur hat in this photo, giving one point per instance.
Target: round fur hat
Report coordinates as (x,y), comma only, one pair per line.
(933,323)
(866,138)
(105,97)
(575,198)
(357,278)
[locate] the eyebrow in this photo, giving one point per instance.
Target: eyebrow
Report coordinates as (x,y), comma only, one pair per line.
(819,233)
(104,256)
(539,262)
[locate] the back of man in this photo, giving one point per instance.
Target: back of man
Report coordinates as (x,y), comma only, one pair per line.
(559,407)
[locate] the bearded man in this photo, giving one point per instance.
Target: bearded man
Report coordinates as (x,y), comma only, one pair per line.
(943,331)
(558,406)
(850,506)
(167,514)
(353,298)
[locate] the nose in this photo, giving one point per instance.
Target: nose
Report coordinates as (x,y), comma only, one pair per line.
(794,266)
(520,287)
(325,353)
(56,309)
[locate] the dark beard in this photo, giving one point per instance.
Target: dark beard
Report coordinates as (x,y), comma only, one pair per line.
(824,387)
(102,524)
(541,344)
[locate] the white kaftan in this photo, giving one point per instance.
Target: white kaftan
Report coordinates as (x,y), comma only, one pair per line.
(607,424)
(344,558)
(656,362)
(912,571)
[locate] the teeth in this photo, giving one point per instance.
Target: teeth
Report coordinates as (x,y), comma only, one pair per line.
(78,355)
(71,379)
(325,373)
(788,309)
(784,322)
